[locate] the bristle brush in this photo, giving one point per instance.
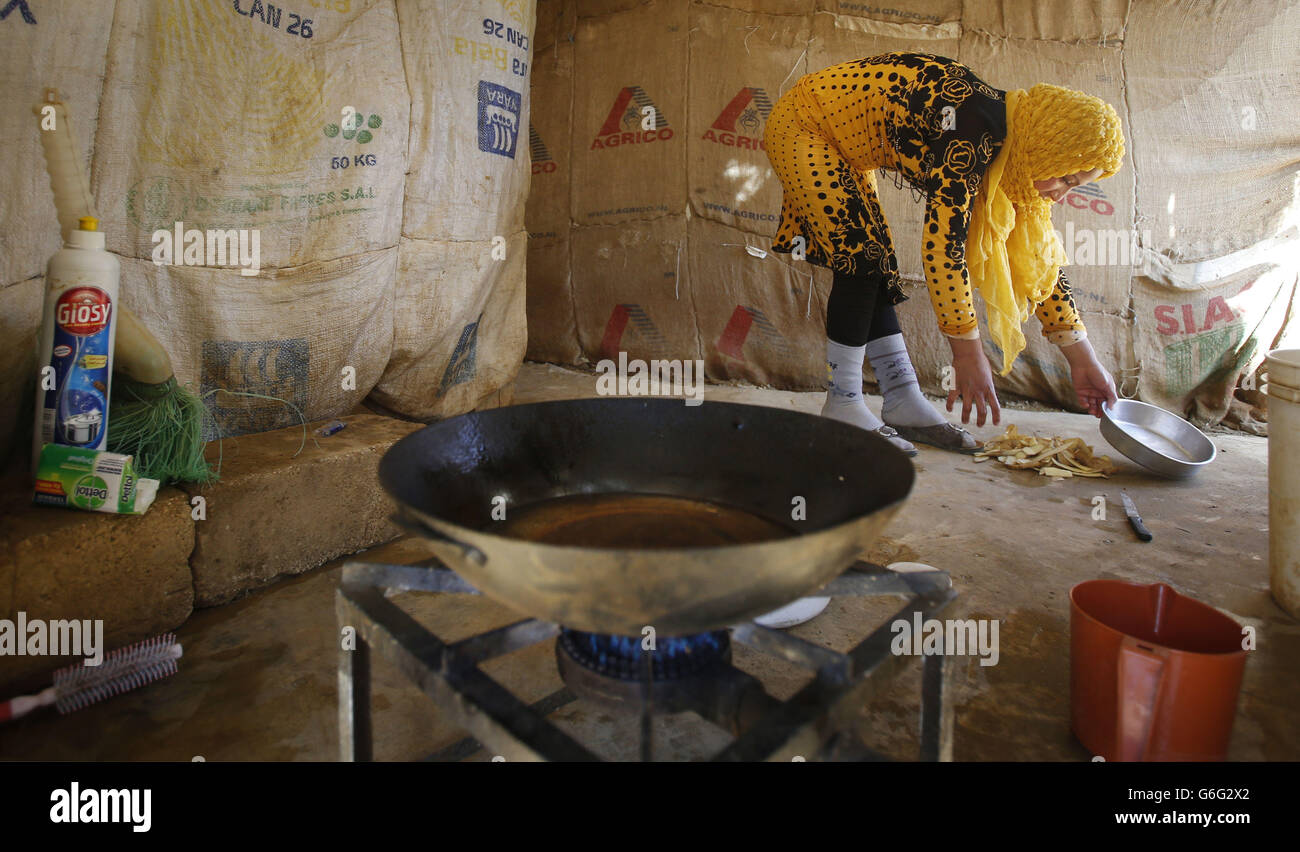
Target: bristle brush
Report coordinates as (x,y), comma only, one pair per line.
(79,685)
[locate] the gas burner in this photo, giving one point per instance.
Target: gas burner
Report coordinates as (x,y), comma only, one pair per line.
(618,673)
(622,657)
(681,674)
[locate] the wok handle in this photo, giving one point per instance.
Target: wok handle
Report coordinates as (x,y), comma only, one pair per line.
(418,527)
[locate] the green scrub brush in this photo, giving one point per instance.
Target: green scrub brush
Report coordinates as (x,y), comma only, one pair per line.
(152,416)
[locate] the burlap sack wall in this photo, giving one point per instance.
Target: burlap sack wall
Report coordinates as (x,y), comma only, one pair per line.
(629,118)
(926,12)
(752,309)
(1180,74)
(460,330)
(761,319)
(461,81)
(632,290)
(1219,194)
(267,335)
(556,20)
(250,135)
(750,56)
(461,333)
(551,319)
(1094,22)
(231,116)
(628,246)
(1201,339)
(221,121)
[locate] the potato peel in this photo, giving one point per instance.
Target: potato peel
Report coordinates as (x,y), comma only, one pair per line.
(1056,457)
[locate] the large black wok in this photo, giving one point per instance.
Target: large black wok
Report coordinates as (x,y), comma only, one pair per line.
(622,513)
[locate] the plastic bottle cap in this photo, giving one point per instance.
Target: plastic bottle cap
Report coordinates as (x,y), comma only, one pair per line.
(88,223)
(85,239)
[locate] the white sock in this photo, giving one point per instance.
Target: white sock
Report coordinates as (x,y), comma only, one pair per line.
(904,403)
(844,399)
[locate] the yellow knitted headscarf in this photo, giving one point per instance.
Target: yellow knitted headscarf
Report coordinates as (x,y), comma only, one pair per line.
(1012,252)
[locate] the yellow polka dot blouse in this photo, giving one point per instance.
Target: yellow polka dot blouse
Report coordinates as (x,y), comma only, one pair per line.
(934,124)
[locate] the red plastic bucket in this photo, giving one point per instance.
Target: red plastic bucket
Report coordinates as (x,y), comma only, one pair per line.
(1154,675)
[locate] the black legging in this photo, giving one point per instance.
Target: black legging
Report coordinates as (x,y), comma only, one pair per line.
(858,311)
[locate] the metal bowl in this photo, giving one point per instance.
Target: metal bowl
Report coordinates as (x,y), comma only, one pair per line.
(1156,439)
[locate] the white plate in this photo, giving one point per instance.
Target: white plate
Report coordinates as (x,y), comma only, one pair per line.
(804,609)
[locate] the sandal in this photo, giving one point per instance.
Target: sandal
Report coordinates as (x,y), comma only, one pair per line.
(945,436)
(890,432)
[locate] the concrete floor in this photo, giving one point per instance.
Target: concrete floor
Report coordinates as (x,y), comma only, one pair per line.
(258,678)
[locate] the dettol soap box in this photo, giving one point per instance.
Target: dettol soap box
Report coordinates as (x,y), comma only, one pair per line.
(93,480)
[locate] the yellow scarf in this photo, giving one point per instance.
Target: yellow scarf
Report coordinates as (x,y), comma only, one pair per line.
(1012,252)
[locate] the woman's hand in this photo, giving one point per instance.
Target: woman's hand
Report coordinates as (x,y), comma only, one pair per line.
(1092,383)
(974,382)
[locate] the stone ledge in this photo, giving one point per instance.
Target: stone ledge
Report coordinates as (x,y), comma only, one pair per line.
(131,571)
(274,513)
(270,515)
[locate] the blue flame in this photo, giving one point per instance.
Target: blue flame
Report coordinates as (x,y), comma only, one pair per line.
(610,651)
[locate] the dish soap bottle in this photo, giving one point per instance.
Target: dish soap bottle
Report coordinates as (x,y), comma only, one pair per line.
(76,343)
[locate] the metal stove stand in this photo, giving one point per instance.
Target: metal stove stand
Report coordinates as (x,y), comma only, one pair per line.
(813,724)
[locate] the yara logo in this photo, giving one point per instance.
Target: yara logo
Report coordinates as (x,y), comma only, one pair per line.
(498,119)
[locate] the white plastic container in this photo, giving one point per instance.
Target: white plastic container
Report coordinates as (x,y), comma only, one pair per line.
(1284,478)
(77,337)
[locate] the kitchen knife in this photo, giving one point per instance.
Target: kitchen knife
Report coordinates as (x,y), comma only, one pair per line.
(1134,519)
